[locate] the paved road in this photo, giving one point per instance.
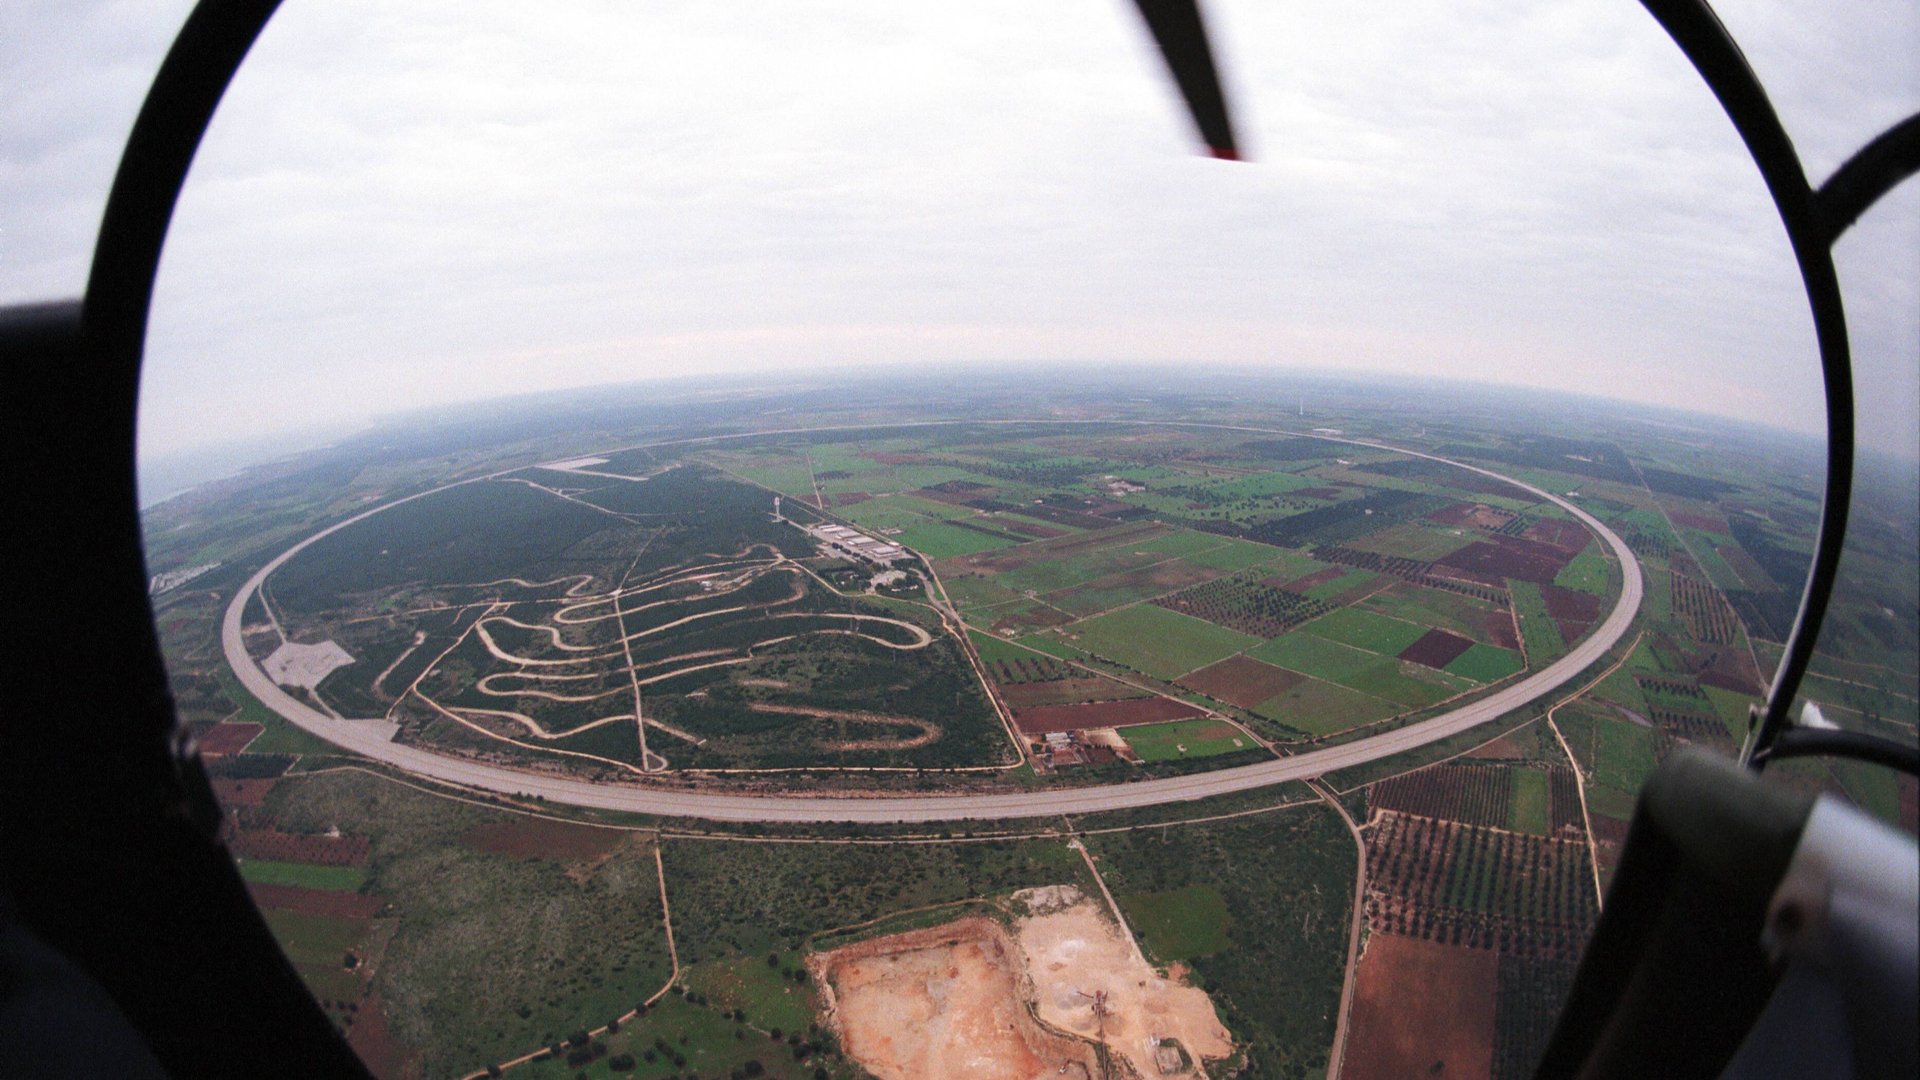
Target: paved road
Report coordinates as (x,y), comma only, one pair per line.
(368,737)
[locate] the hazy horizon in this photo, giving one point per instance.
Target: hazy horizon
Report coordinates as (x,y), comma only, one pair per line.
(165,475)
(398,211)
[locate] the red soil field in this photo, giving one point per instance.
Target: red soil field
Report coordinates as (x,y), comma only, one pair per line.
(850,498)
(1486,580)
(1063,692)
(1499,628)
(1609,830)
(527,837)
(1034,618)
(1013,558)
(1569,536)
(1421,1009)
(300,847)
(1570,603)
(1436,649)
(1027,528)
(953,492)
(1505,747)
(242,792)
(1571,630)
(228,738)
(1730,680)
(1686,519)
(316,901)
(1317,492)
(1242,681)
(384,1055)
(1044,718)
(1510,557)
(1476,514)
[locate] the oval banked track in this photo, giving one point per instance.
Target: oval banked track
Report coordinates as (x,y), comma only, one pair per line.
(370,740)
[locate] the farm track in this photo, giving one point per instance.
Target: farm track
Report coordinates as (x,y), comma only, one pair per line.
(633,798)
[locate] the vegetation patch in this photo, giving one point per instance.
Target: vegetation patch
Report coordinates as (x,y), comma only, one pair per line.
(306,875)
(1324,708)
(1529,802)
(1310,654)
(524,837)
(1485,663)
(1162,643)
(1242,681)
(1363,629)
(1040,719)
(1186,739)
(1180,924)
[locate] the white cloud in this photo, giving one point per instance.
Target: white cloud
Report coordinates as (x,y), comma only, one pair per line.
(400,206)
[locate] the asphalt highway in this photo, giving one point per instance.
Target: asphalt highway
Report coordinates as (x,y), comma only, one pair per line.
(369,738)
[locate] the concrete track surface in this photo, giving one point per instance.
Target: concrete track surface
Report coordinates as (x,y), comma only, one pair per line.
(369,739)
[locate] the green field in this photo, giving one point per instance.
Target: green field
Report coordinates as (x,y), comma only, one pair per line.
(1363,629)
(1179,924)
(1528,811)
(305,875)
(767,993)
(1310,654)
(1186,739)
(1404,682)
(939,540)
(1234,555)
(280,736)
(1273,967)
(1162,643)
(1623,754)
(1586,573)
(1540,633)
(321,940)
(1485,663)
(1412,541)
(1324,708)
(968,592)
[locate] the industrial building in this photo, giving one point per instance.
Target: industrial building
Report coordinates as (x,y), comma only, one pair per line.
(852,544)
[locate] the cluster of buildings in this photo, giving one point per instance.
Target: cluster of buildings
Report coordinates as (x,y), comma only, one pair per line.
(173,579)
(853,544)
(1062,749)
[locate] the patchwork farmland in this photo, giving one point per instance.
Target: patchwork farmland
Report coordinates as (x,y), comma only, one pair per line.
(1037,589)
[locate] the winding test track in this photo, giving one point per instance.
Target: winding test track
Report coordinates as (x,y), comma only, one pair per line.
(369,740)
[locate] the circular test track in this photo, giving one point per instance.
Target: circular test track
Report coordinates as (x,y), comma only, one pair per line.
(371,741)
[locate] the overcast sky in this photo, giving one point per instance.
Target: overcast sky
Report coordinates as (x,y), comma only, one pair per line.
(400,205)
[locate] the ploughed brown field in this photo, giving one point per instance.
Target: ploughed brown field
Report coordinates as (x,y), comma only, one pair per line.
(242,792)
(524,838)
(1242,681)
(299,847)
(1436,649)
(1044,718)
(307,901)
(228,738)
(1570,604)
(1569,536)
(1422,1009)
(1510,557)
(1065,692)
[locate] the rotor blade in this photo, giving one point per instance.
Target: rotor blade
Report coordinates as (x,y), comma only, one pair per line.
(1182,36)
